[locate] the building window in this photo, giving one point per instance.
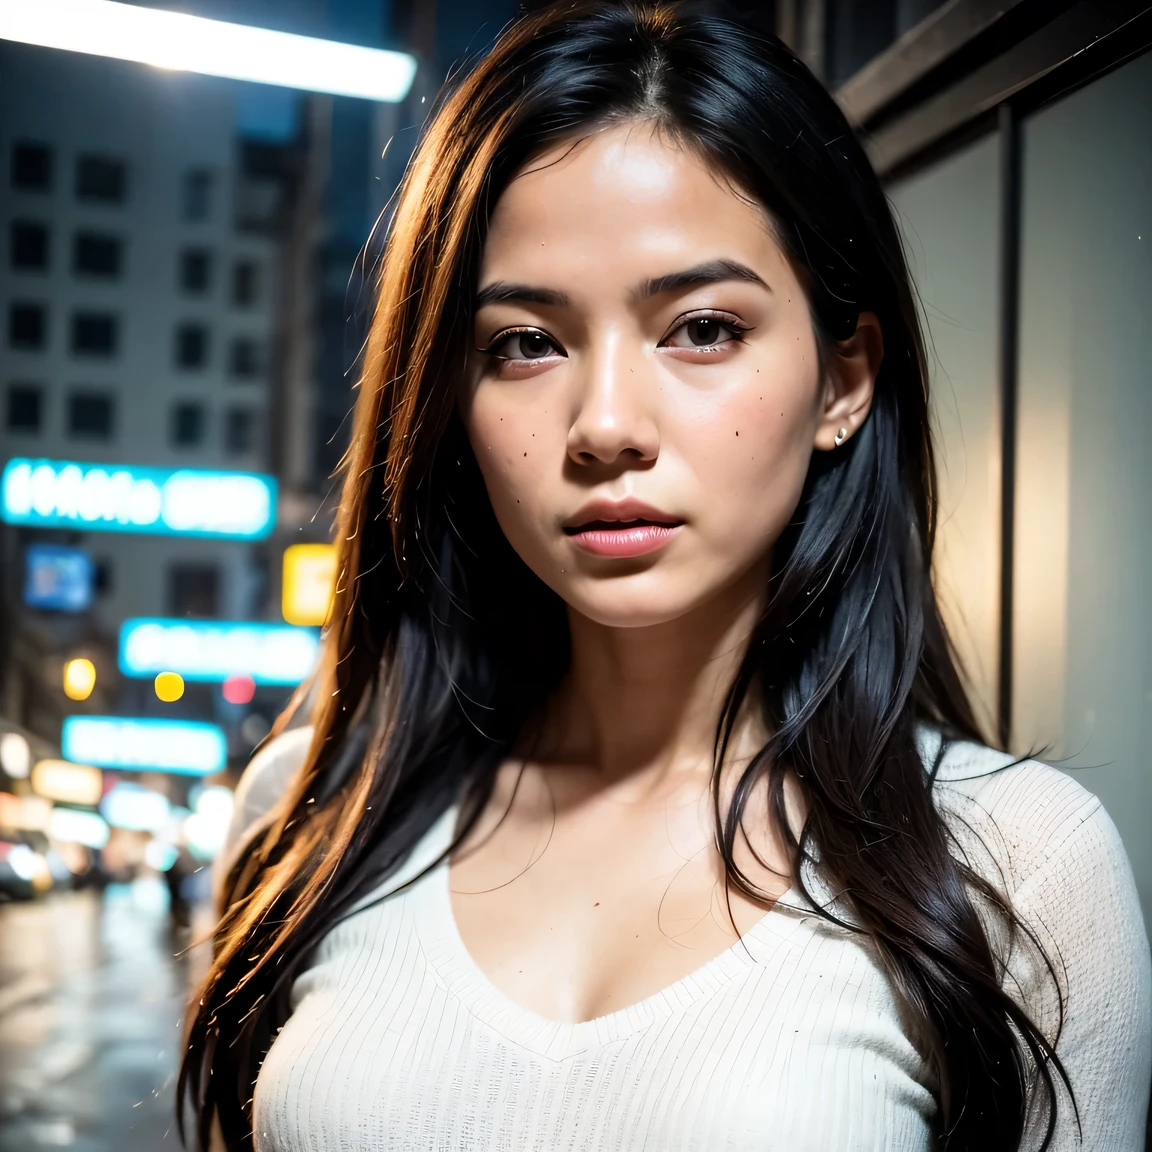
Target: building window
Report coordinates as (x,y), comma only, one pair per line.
(195,270)
(239,430)
(194,590)
(101,178)
(95,254)
(27,326)
(94,334)
(90,415)
(31,167)
(28,245)
(197,194)
(244,283)
(191,346)
(244,358)
(188,424)
(103,574)
(25,407)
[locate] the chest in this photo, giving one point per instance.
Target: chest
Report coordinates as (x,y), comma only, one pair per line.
(396,1042)
(580,916)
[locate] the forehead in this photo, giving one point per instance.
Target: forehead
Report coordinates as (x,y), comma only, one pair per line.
(625,201)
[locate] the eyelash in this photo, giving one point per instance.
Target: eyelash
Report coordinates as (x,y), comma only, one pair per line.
(501,337)
(737,327)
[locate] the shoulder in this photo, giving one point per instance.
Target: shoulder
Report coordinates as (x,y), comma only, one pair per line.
(263,783)
(1019,818)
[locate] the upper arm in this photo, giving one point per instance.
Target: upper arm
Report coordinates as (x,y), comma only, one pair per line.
(261,786)
(1083,907)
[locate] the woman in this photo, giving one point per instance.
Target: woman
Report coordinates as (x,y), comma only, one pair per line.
(641,805)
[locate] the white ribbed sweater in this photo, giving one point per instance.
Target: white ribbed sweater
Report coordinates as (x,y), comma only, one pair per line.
(790,1040)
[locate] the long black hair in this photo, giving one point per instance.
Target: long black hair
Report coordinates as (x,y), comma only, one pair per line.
(443,644)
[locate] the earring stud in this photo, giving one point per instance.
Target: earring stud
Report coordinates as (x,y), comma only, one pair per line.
(841,436)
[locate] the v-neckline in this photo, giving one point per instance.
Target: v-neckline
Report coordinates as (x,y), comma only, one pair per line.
(464,979)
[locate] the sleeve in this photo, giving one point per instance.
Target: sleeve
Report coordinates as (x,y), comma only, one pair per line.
(260,787)
(1083,906)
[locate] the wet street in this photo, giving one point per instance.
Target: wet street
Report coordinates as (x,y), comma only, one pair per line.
(91,998)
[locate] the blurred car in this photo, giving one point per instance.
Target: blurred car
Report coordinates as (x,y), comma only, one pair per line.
(29,865)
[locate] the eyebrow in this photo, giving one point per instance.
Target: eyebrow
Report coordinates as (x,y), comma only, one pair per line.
(500,291)
(710,272)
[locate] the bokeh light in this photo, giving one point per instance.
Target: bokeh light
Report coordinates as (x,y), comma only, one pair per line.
(15,755)
(79,678)
(239,689)
(169,686)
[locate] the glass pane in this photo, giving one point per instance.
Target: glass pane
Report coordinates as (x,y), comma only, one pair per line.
(1082,621)
(950,219)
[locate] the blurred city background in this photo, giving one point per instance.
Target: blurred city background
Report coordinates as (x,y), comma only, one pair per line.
(185,281)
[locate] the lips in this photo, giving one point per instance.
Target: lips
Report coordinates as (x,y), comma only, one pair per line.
(622,528)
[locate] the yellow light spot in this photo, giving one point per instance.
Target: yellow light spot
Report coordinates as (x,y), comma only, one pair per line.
(309,577)
(169,686)
(79,678)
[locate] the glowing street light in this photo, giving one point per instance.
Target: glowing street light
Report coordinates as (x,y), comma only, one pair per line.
(79,678)
(185,43)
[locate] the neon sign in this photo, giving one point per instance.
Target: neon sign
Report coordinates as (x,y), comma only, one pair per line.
(208,650)
(185,747)
(119,498)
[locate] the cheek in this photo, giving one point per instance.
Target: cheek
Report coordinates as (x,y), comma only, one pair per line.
(751,455)
(514,450)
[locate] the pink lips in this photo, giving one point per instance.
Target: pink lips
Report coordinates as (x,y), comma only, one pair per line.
(621,529)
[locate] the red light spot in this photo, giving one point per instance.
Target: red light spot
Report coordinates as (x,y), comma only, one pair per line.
(239,689)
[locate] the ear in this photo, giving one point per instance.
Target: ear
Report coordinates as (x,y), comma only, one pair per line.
(850,381)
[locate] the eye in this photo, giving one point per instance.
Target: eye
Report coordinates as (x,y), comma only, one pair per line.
(706,333)
(522,344)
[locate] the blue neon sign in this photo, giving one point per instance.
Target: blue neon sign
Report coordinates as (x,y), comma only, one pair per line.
(57,578)
(211,650)
(120,498)
(184,747)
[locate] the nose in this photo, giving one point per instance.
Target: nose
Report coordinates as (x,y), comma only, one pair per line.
(613,417)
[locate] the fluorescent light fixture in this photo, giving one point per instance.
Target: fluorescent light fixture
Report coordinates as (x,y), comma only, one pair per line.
(185,43)
(118,498)
(209,650)
(185,747)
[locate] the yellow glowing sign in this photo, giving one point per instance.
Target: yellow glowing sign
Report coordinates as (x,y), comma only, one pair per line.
(67,782)
(309,580)
(79,678)
(169,686)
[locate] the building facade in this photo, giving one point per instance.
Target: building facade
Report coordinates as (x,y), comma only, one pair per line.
(138,289)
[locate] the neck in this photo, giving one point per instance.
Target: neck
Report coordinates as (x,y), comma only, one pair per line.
(644,703)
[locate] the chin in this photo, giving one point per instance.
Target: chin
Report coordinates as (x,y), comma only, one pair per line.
(615,604)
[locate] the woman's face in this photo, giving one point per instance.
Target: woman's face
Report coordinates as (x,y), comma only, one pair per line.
(649,391)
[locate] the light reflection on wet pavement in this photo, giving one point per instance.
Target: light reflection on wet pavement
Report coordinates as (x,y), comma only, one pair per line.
(91,1000)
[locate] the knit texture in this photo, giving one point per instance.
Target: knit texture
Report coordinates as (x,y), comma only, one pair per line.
(790,1040)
